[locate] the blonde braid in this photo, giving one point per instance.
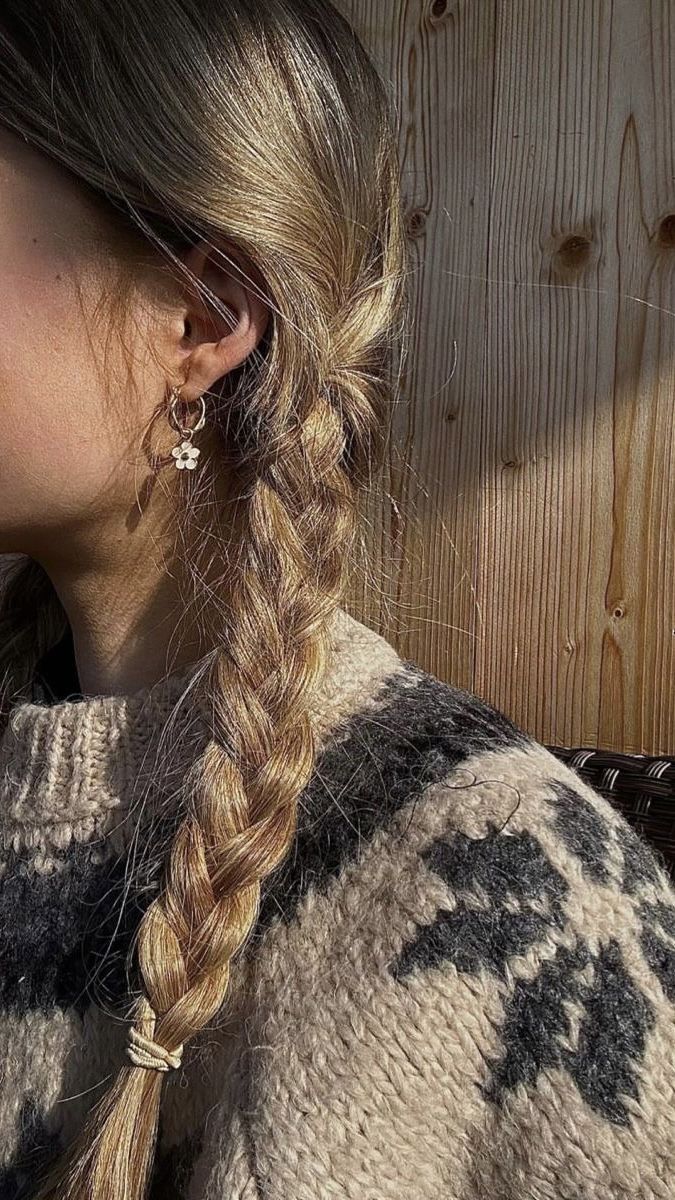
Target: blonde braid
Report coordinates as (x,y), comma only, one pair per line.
(301,521)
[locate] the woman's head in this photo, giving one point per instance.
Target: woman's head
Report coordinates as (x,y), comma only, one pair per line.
(241,124)
(213,190)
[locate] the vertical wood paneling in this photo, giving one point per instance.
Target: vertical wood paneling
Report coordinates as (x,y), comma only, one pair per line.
(525,549)
(423,593)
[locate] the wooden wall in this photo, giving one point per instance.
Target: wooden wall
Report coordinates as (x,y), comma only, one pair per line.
(525,548)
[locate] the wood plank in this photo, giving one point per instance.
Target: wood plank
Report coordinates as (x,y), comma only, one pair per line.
(526,548)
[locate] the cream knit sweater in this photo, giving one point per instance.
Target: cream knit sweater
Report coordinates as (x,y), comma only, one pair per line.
(461,985)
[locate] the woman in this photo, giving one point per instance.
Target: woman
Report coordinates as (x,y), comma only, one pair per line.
(282,914)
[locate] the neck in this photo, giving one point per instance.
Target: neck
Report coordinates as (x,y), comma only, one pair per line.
(126,576)
(126,610)
(125,629)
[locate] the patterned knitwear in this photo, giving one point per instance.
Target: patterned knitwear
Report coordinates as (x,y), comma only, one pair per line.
(461,983)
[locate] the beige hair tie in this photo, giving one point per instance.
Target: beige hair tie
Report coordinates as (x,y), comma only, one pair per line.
(143,1052)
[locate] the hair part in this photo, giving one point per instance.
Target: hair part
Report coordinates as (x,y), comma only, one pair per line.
(263,126)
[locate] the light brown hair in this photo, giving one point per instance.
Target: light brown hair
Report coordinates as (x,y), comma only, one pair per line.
(263,126)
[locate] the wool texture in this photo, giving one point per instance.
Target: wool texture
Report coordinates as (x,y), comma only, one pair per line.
(460,986)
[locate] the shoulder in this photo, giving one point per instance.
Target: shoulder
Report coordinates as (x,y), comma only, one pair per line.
(418,754)
(498,935)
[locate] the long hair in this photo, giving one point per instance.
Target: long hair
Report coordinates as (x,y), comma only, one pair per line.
(263,126)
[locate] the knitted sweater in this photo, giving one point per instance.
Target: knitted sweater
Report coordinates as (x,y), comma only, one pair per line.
(461,984)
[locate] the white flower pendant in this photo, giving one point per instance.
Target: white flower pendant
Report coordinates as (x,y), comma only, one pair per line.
(186,456)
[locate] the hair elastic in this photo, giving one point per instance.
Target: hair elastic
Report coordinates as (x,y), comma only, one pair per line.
(143,1052)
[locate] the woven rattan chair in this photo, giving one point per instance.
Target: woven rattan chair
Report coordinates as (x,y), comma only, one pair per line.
(641,787)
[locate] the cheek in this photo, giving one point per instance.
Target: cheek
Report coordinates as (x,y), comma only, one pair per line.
(59,446)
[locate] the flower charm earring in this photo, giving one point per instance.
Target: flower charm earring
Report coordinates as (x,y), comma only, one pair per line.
(185,454)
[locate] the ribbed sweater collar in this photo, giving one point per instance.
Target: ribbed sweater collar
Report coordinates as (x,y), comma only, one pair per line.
(74,762)
(71,768)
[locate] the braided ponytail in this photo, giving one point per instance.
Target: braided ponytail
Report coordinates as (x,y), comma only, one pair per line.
(305,174)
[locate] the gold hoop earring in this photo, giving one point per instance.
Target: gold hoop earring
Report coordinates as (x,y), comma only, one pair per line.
(185,454)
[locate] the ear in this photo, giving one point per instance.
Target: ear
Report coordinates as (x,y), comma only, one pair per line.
(210,344)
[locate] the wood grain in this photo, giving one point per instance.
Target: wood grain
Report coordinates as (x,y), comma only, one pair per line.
(525,547)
